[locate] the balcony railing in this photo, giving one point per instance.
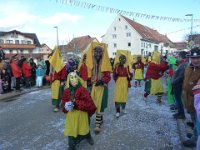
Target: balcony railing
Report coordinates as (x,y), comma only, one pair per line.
(18,46)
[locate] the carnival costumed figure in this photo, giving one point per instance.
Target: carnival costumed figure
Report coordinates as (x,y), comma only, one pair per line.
(170,98)
(79,107)
(122,75)
(138,71)
(149,58)
(58,73)
(99,65)
(153,84)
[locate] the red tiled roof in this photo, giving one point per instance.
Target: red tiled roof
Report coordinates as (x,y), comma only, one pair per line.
(148,33)
(79,43)
(180,45)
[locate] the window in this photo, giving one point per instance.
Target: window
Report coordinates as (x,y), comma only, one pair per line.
(115,45)
(23,42)
(12,35)
(16,41)
(119,19)
(129,44)
(126,27)
(155,47)
(114,36)
(1,41)
(28,42)
(115,28)
(128,34)
(149,45)
(9,41)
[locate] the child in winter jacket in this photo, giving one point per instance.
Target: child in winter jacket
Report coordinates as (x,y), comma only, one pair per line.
(39,76)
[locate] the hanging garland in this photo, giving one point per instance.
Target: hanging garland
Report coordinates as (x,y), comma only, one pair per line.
(86,5)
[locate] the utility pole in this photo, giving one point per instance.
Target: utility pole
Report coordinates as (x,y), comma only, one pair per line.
(57,35)
(190,44)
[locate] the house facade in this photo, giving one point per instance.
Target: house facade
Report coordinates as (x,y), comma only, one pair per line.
(126,34)
(76,47)
(45,51)
(16,42)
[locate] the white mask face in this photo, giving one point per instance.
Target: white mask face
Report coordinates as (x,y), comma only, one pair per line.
(73,78)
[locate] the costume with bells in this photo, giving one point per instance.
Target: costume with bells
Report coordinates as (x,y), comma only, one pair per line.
(99,73)
(78,106)
(122,75)
(153,84)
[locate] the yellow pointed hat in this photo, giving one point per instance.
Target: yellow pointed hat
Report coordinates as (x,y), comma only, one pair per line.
(156,57)
(105,66)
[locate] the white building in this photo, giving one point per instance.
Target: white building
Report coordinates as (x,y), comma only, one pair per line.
(15,42)
(126,34)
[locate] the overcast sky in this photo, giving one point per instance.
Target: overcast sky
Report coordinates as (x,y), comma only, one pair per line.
(40,17)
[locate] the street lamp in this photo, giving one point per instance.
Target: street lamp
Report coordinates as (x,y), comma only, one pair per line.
(190,44)
(191,32)
(57,35)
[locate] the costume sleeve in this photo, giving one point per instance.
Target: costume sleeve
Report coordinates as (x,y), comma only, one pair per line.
(142,65)
(130,74)
(158,67)
(134,66)
(63,73)
(84,101)
(106,77)
(115,75)
(65,98)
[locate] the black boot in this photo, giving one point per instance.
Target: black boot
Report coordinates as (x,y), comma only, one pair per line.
(189,143)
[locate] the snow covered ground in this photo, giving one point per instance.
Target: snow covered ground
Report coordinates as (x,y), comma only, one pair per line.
(28,123)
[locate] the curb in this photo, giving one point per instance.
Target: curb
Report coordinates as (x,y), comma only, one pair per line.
(13,94)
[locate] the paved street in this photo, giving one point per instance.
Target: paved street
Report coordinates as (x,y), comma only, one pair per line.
(28,122)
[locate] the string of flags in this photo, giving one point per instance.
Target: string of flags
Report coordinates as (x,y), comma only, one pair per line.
(106,9)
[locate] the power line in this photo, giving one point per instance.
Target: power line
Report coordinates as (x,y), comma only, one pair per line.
(182,29)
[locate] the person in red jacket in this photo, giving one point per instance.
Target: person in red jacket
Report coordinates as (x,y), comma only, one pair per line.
(16,71)
(26,71)
(155,71)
